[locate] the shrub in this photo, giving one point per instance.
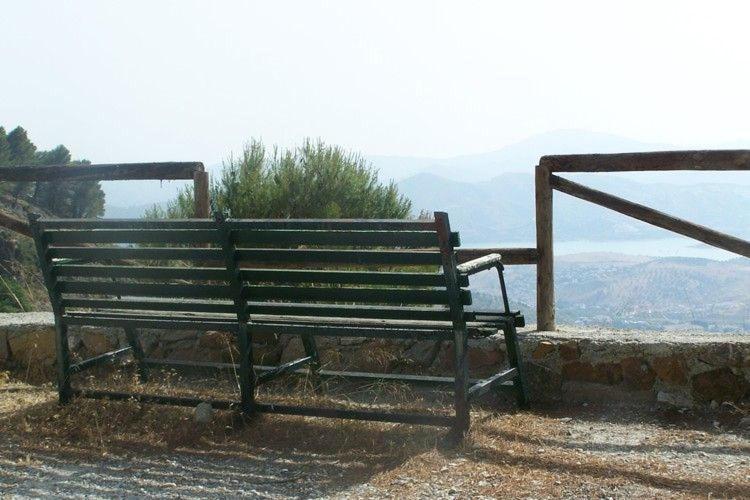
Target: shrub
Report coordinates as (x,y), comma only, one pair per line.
(310,181)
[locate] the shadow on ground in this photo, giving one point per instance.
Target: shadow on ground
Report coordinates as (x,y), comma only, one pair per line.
(109,448)
(121,448)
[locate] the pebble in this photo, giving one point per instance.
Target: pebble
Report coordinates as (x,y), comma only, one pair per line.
(203,413)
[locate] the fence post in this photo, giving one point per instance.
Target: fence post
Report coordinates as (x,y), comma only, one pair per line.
(200,194)
(545,279)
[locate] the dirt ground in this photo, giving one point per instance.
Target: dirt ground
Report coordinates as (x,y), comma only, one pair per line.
(106,449)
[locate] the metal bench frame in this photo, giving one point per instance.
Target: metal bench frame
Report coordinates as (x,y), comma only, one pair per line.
(48,232)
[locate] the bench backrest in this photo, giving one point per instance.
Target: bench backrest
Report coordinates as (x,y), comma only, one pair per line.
(343,268)
(374,269)
(134,265)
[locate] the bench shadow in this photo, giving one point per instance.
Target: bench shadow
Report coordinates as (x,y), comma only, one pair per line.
(609,471)
(561,443)
(684,419)
(267,454)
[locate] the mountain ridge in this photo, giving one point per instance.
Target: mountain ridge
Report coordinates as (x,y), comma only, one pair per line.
(502,209)
(518,157)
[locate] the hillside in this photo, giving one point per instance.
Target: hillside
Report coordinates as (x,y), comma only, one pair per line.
(632,292)
(502,209)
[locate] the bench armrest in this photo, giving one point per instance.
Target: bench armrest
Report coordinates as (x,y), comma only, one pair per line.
(481,264)
(489,261)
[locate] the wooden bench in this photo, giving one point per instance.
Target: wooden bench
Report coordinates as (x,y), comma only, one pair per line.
(389,279)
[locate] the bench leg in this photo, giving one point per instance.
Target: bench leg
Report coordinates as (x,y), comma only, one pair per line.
(461,401)
(64,390)
(132,336)
(247,374)
(519,383)
(311,349)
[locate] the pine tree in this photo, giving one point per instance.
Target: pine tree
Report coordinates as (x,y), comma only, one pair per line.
(49,194)
(65,199)
(82,198)
(21,153)
(4,157)
(21,148)
(4,148)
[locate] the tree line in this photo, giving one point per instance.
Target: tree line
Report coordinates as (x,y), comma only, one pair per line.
(313,180)
(74,199)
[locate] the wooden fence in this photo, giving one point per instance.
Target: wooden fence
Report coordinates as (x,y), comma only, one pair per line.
(108,172)
(546,181)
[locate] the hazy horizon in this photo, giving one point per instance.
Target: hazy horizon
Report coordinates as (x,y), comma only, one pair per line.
(188,80)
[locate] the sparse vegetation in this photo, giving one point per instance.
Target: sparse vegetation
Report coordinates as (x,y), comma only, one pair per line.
(13,297)
(20,283)
(314,180)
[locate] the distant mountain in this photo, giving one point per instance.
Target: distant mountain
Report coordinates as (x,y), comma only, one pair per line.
(123,197)
(129,212)
(520,157)
(502,209)
(623,292)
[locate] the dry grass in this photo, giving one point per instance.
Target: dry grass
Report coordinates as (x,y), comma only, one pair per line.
(105,426)
(505,455)
(527,456)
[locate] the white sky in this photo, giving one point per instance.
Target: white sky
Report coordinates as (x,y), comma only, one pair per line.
(182,80)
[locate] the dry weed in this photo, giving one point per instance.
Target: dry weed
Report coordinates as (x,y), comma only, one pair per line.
(510,455)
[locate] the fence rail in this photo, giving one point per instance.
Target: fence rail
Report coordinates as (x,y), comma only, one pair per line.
(102,172)
(108,172)
(546,182)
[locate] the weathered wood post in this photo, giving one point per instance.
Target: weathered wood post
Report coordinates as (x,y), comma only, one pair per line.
(200,194)
(545,280)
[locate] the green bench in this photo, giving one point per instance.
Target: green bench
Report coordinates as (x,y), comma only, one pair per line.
(390,279)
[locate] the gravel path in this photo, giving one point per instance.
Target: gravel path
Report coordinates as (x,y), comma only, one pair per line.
(601,452)
(48,474)
(572,452)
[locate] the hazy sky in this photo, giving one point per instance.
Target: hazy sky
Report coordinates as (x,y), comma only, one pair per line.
(182,80)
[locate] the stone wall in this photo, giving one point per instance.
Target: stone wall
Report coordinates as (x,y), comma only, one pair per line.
(570,365)
(679,369)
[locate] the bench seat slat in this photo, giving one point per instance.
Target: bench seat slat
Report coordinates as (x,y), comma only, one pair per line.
(269,322)
(151,305)
(364,257)
(204,324)
(327,294)
(267,308)
(122,253)
(152,273)
(350,331)
(348,311)
(145,289)
(156,324)
(342,277)
(404,239)
(254,275)
(68,237)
